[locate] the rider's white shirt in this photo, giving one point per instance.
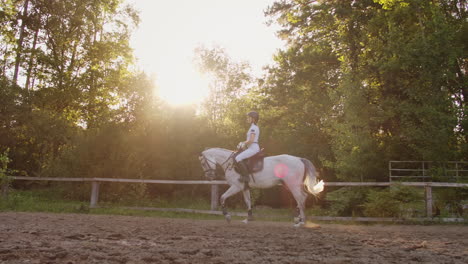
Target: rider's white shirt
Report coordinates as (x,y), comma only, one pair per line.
(254,147)
(255,130)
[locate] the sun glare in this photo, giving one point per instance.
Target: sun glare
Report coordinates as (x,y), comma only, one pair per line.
(171,30)
(182,86)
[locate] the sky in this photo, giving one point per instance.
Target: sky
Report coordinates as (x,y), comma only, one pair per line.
(169,32)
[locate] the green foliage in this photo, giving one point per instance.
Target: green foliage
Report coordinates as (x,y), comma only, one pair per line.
(396,201)
(385,80)
(41,200)
(47,201)
(141,149)
(50,87)
(347,201)
(449,202)
(359,83)
(4,160)
(230,80)
(389,4)
(4,181)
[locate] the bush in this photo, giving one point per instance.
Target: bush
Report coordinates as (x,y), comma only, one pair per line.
(396,201)
(347,201)
(449,202)
(4,180)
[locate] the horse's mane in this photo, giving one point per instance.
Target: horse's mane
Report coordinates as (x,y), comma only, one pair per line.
(223,149)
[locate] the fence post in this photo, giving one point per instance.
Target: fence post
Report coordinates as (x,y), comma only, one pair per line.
(214,196)
(424,171)
(4,188)
(428,191)
(94,194)
(390,171)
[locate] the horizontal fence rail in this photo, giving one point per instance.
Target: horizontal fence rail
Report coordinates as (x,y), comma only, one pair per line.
(339,184)
(95,182)
(114,180)
(428,171)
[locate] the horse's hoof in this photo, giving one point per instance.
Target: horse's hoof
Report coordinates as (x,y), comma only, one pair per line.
(299,224)
(228,218)
(245,221)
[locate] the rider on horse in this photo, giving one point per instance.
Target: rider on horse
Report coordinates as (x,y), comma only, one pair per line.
(250,145)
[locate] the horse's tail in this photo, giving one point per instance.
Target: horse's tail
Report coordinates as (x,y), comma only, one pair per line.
(310,178)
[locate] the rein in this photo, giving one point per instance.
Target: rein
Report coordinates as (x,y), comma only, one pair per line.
(211,170)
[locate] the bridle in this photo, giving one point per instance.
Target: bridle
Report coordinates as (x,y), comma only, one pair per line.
(211,172)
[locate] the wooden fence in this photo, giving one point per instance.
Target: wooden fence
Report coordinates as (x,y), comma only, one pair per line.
(426,171)
(95,182)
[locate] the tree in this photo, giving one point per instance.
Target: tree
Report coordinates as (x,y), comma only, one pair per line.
(229,82)
(65,66)
(396,90)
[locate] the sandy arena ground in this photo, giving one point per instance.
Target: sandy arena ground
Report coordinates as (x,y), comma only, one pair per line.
(80,238)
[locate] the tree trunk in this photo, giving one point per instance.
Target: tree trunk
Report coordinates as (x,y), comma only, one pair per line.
(20,41)
(31,60)
(5,61)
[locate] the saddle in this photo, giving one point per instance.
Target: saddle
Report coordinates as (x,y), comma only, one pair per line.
(255,163)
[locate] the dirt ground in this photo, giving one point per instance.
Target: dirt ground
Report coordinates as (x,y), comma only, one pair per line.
(81,238)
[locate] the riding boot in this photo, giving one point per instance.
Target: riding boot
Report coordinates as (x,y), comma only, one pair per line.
(243,170)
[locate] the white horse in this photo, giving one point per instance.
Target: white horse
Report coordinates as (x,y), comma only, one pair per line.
(298,174)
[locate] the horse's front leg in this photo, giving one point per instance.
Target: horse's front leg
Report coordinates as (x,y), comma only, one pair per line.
(248,202)
(230,192)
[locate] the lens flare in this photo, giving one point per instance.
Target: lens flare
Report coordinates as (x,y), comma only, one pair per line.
(281,170)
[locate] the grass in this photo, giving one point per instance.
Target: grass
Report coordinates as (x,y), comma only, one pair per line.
(29,201)
(45,201)
(52,201)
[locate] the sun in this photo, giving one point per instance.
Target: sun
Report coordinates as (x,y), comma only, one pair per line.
(170,31)
(182,84)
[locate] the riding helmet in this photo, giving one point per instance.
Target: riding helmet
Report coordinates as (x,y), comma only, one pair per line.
(254,115)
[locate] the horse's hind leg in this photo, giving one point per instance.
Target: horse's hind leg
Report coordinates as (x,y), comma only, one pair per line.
(248,202)
(230,192)
(300,196)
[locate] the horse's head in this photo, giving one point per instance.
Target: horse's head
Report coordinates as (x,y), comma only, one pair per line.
(208,164)
(215,161)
